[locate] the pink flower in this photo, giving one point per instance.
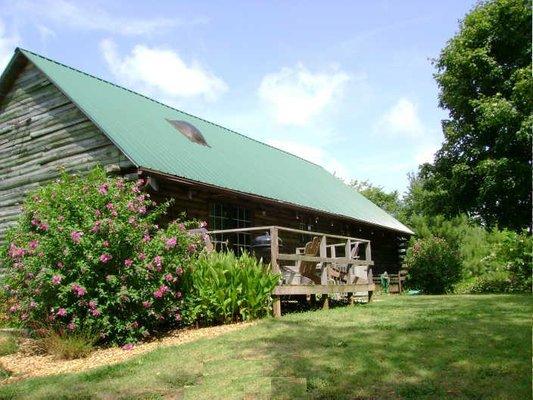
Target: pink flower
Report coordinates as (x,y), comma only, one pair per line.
(92,304)
(111,208)
(35,222)
(56,279)
(132,221)
(14,309)
(178,294)
(78,290)
(159,293)
(43,226)
(105,243)
(191,248)
(169,278)
(177,317)
(128,262)
(181,226)
(33,244)
(131,206)
(33,304)
(142,210)
(96,226)
(142,256)
(179,271)
(128,346)
(120,183)
(76,236)
(59,265)
(95,313)
(61,312)
(171,243)
(103,188)
(147,304)
(158,261)
(104,258)
(71,326)
(146,238)
(98,213)
(15,252)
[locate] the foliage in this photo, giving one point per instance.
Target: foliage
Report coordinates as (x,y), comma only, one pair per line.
(433,265)
(87,255)
(484,76)
(507,267)
(69,346)
(389,201)
(222,287)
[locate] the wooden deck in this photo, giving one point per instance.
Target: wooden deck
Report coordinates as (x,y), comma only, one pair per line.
(343,265)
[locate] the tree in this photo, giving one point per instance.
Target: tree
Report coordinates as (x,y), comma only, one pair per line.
(389,201)
(484,75)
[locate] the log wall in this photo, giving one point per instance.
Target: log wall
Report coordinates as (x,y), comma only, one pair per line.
(42,132)
(195,202)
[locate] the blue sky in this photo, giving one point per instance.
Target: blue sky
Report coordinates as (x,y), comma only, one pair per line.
(346,84)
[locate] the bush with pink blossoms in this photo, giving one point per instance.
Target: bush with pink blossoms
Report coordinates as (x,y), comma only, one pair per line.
(87,255)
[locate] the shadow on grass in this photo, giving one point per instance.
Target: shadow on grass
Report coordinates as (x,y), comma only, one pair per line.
(475,347)
(460,348)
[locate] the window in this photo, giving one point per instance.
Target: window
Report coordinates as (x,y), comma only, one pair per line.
(230,216)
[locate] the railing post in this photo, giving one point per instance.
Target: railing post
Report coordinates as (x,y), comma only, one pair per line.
(274,251)
(370,276)
(325,267)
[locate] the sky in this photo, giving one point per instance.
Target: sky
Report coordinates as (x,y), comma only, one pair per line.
(345,84)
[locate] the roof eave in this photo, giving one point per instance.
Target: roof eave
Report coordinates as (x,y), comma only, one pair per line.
(188,181)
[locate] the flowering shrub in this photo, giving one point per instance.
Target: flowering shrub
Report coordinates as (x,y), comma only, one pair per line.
(433,265)
(221,287)
(87,255)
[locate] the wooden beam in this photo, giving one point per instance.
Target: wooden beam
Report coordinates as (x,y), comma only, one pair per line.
(274,250)
(340,260)
(322,289)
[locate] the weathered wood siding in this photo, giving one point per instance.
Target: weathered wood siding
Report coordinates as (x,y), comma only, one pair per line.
(42,132)
(195,202)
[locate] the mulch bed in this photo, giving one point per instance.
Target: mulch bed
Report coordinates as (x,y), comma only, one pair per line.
(24,364)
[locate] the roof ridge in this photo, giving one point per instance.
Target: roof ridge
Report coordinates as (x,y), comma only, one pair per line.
(167,106)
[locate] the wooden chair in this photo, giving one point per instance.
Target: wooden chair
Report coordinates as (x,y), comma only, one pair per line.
(308,268)
(344,273)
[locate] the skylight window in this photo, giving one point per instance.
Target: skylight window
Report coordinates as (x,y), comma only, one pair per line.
(189,131)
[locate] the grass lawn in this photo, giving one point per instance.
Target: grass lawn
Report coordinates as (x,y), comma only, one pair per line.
(426,347)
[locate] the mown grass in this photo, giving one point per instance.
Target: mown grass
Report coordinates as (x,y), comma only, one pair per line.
(427,347)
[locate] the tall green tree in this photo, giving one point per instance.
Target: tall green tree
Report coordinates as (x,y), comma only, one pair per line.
(389,201)
(485,81)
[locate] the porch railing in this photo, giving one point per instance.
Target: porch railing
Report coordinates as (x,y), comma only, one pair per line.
(327,262)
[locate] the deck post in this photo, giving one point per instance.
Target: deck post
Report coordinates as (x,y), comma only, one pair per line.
(274,251)
(325,267)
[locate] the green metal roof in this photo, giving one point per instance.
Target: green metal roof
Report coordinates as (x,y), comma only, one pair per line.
(139,127)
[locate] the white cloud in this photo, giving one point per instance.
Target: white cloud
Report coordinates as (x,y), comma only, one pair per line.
(426,154)
(401,120)
(296,95)
(91,16)
(7,46)
(314,154)
(161,73)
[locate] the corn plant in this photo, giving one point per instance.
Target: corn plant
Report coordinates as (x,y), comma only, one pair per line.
(222,287)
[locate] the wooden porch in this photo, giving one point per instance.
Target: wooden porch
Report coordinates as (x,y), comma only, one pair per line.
(326,265)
